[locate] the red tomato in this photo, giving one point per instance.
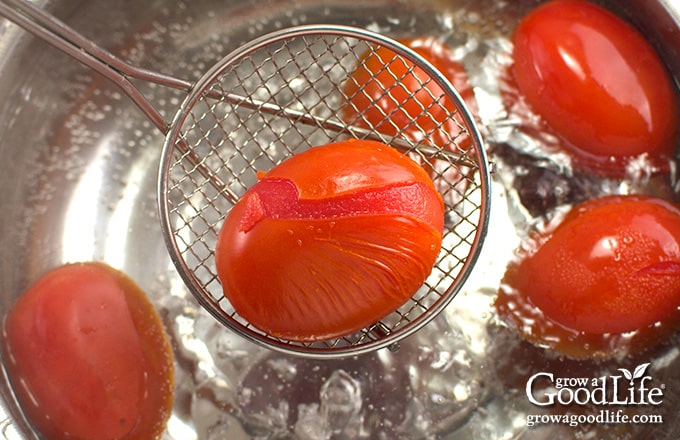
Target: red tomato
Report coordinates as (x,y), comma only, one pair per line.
(330,241)
(612,266)
(386,96)
(87,356)
(597,83)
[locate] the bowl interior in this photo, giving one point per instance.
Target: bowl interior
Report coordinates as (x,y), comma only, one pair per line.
(79,173)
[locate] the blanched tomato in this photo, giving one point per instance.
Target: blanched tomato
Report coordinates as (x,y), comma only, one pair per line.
(396,98)
(330,241)
(88,357)
(610,268)
(597,83)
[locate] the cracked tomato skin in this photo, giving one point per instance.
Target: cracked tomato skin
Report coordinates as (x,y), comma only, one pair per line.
(611,266)
(88,357)
(330,241)
(597,83)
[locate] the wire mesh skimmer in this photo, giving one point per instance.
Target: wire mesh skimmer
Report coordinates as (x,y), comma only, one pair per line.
(278,95)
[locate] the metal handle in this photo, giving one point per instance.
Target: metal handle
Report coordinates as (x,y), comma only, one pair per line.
(62,37)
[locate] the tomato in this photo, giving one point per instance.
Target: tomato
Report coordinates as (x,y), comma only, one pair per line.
(330,241)
(610,268)
(597,83)
(88,357)
(385,95)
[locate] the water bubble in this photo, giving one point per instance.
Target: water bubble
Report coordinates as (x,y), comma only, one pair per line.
(341,402)
(309,425)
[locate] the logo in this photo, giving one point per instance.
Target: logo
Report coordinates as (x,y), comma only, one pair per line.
(595,400)
(628,388)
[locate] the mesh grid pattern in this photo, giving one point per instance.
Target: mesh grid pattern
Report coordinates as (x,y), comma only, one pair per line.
(292,95)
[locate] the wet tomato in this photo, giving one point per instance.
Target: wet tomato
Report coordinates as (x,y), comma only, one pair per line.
(394,97)
(88,357)
(605,280)
(597,83)
(330,241)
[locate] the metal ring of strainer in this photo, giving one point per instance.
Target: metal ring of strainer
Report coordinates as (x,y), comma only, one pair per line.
(300,72)
(271,98)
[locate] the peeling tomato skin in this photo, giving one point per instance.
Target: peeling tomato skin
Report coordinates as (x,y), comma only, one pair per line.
(597,83)
(280,199)
(314,267)
(88,357)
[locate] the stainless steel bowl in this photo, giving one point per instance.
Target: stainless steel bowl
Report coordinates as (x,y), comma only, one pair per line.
(79,166)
